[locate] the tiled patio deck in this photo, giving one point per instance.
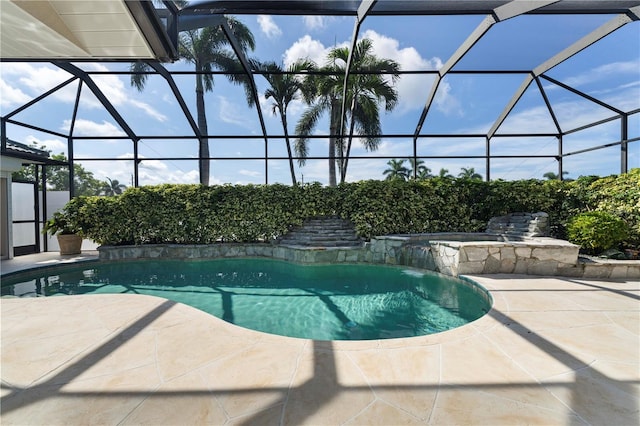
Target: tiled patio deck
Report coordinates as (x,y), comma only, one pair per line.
(551,351)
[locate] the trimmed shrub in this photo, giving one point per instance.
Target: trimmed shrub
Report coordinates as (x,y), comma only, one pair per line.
(597,231)
(195,214)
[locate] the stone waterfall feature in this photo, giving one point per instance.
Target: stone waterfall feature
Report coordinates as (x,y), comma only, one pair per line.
(322,232)
(520,224)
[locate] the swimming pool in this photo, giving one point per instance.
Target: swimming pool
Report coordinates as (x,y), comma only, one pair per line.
(321,302)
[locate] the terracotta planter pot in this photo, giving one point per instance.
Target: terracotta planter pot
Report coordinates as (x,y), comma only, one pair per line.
(69,243)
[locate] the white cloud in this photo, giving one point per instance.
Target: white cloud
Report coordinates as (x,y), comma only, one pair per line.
(603,72)
(532,120)
(314,22)
(250,173)
(115,91)
(233,114)
(151,112)
(12,96)
(150,172)
(413,90)
(54,145)
(447,103)
(306,47)
(37,79)
(90,128)
(268,26)
(153,165)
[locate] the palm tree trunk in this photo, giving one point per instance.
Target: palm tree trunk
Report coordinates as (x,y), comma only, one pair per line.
(203,149)
(333,130)
(345,163)
(286,138)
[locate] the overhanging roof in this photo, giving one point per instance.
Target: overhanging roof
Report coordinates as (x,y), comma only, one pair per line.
(29,154)
(82,30)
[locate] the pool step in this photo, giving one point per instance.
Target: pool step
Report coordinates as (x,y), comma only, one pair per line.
(323,232)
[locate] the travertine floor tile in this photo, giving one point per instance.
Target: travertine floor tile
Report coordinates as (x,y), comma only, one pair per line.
(598,399)
(383,414)
(182,401)
(241,390)
(551,351)
(629,320)
(460,406)
(189,346)
(406,378)
(328,389)
(536,355)
(28,361)
(102,400)
(566,319)
(614,343)
(267,416)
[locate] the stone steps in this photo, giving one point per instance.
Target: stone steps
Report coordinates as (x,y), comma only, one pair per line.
(322,232)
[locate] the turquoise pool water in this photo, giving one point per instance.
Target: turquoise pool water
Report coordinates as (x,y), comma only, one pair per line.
(322,302)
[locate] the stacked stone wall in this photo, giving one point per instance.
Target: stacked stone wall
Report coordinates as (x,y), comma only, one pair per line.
(520,224)
(551,257)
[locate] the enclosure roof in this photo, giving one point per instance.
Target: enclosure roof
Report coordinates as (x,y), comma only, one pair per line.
(131,29)
(398,7)
(490,84)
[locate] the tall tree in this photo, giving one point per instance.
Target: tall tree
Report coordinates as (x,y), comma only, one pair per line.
(112,187)
(84,183)
(285,87)
(396,170)
(324,92)
(444,173)
(421,171)
(554,176)
(207,49)
(469,173)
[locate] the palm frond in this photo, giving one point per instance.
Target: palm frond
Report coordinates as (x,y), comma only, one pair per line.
(305,126)
(139,80)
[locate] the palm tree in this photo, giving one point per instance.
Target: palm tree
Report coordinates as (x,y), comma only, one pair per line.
(421,171)
(396,170)
(444,173)
(112,187)
(323,92)
(553,176)
(285,87)
(207,48)
(469,173)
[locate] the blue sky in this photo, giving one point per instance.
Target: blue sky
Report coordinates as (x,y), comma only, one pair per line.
(466,104)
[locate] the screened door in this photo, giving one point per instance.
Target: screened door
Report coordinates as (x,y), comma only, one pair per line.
(26,226)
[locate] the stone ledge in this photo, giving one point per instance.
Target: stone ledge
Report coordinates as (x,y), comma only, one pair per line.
(608,268)
(543,256)
(299,254)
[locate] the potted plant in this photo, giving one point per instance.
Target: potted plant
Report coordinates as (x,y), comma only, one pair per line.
(68,233)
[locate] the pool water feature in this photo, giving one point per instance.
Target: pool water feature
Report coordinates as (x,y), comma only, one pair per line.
(321,302)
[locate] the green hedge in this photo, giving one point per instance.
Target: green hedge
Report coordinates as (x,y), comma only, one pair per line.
(195,214)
